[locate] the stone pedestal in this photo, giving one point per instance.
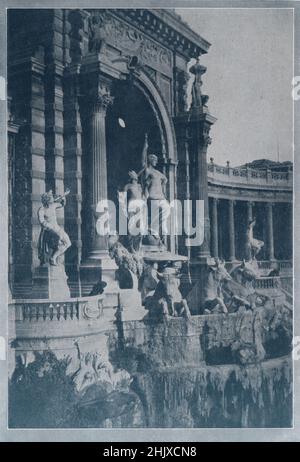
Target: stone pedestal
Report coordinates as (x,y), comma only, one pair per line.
(195,297)
(98,268)
(130,303)
(50,282)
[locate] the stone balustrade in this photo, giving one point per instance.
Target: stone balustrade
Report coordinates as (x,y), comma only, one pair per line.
(249,176)
(46,311)
(267,282)
(30,318)
(285,266)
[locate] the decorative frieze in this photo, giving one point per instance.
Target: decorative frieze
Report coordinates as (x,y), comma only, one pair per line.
(107,29)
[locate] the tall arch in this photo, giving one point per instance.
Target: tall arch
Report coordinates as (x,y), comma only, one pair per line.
(152,93)
(169,146)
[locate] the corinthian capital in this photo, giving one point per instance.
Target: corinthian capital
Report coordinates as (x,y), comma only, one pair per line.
(101,98)
(102,101)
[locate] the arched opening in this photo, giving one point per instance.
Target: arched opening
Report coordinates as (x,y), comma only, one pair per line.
(128,120)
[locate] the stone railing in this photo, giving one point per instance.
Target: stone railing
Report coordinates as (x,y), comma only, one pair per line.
(46,318)
(44,310)
(249,176)
(267,282)
(283,265)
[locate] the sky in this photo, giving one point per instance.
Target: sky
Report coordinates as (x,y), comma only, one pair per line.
(248,80)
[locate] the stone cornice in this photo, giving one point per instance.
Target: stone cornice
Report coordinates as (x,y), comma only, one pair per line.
(166,28)
(27,64)
(253,195)
(176,23)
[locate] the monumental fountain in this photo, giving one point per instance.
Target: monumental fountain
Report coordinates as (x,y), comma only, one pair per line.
(139,355)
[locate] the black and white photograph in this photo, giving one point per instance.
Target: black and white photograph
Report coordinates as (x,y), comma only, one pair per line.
(149,187)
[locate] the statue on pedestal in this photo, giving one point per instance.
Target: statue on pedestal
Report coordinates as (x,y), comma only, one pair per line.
(154,183)
(253,246)
(198,100)
(154,180)
(53,240)
(213,289)
(167,299)
(132,201)
(97,36)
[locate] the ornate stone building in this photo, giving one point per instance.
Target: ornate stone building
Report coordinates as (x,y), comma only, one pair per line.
(72,74)
(84,87)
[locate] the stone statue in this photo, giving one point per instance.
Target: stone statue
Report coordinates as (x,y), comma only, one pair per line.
(133,188)
(154,183)
(148,281)
(130,264)
(167,298)
(97,37)
(132,201)
(53,240)
(253,246)
(239,292)
(154,180)
(198,70)
(213,293)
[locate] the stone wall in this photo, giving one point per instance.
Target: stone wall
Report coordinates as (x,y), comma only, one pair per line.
(214,370)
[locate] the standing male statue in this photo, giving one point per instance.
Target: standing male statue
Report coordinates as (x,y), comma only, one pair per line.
(53,240)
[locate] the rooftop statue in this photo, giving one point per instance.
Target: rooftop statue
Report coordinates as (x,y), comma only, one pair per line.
(97,37)
(53,240)
(198,100)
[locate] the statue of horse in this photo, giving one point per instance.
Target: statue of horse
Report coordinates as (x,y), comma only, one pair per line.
(213,293)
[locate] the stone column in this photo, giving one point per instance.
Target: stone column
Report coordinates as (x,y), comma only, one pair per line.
(73,175)
(28,93)
(249,211)
(231,230)
(289,250)
(199,124)
(270,234)
(214,227)
(96,86)
(98,165)
(201,121)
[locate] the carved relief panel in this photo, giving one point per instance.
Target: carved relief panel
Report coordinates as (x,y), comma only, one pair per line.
(109,30)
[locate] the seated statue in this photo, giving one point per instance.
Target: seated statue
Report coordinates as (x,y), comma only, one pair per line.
(53,240)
